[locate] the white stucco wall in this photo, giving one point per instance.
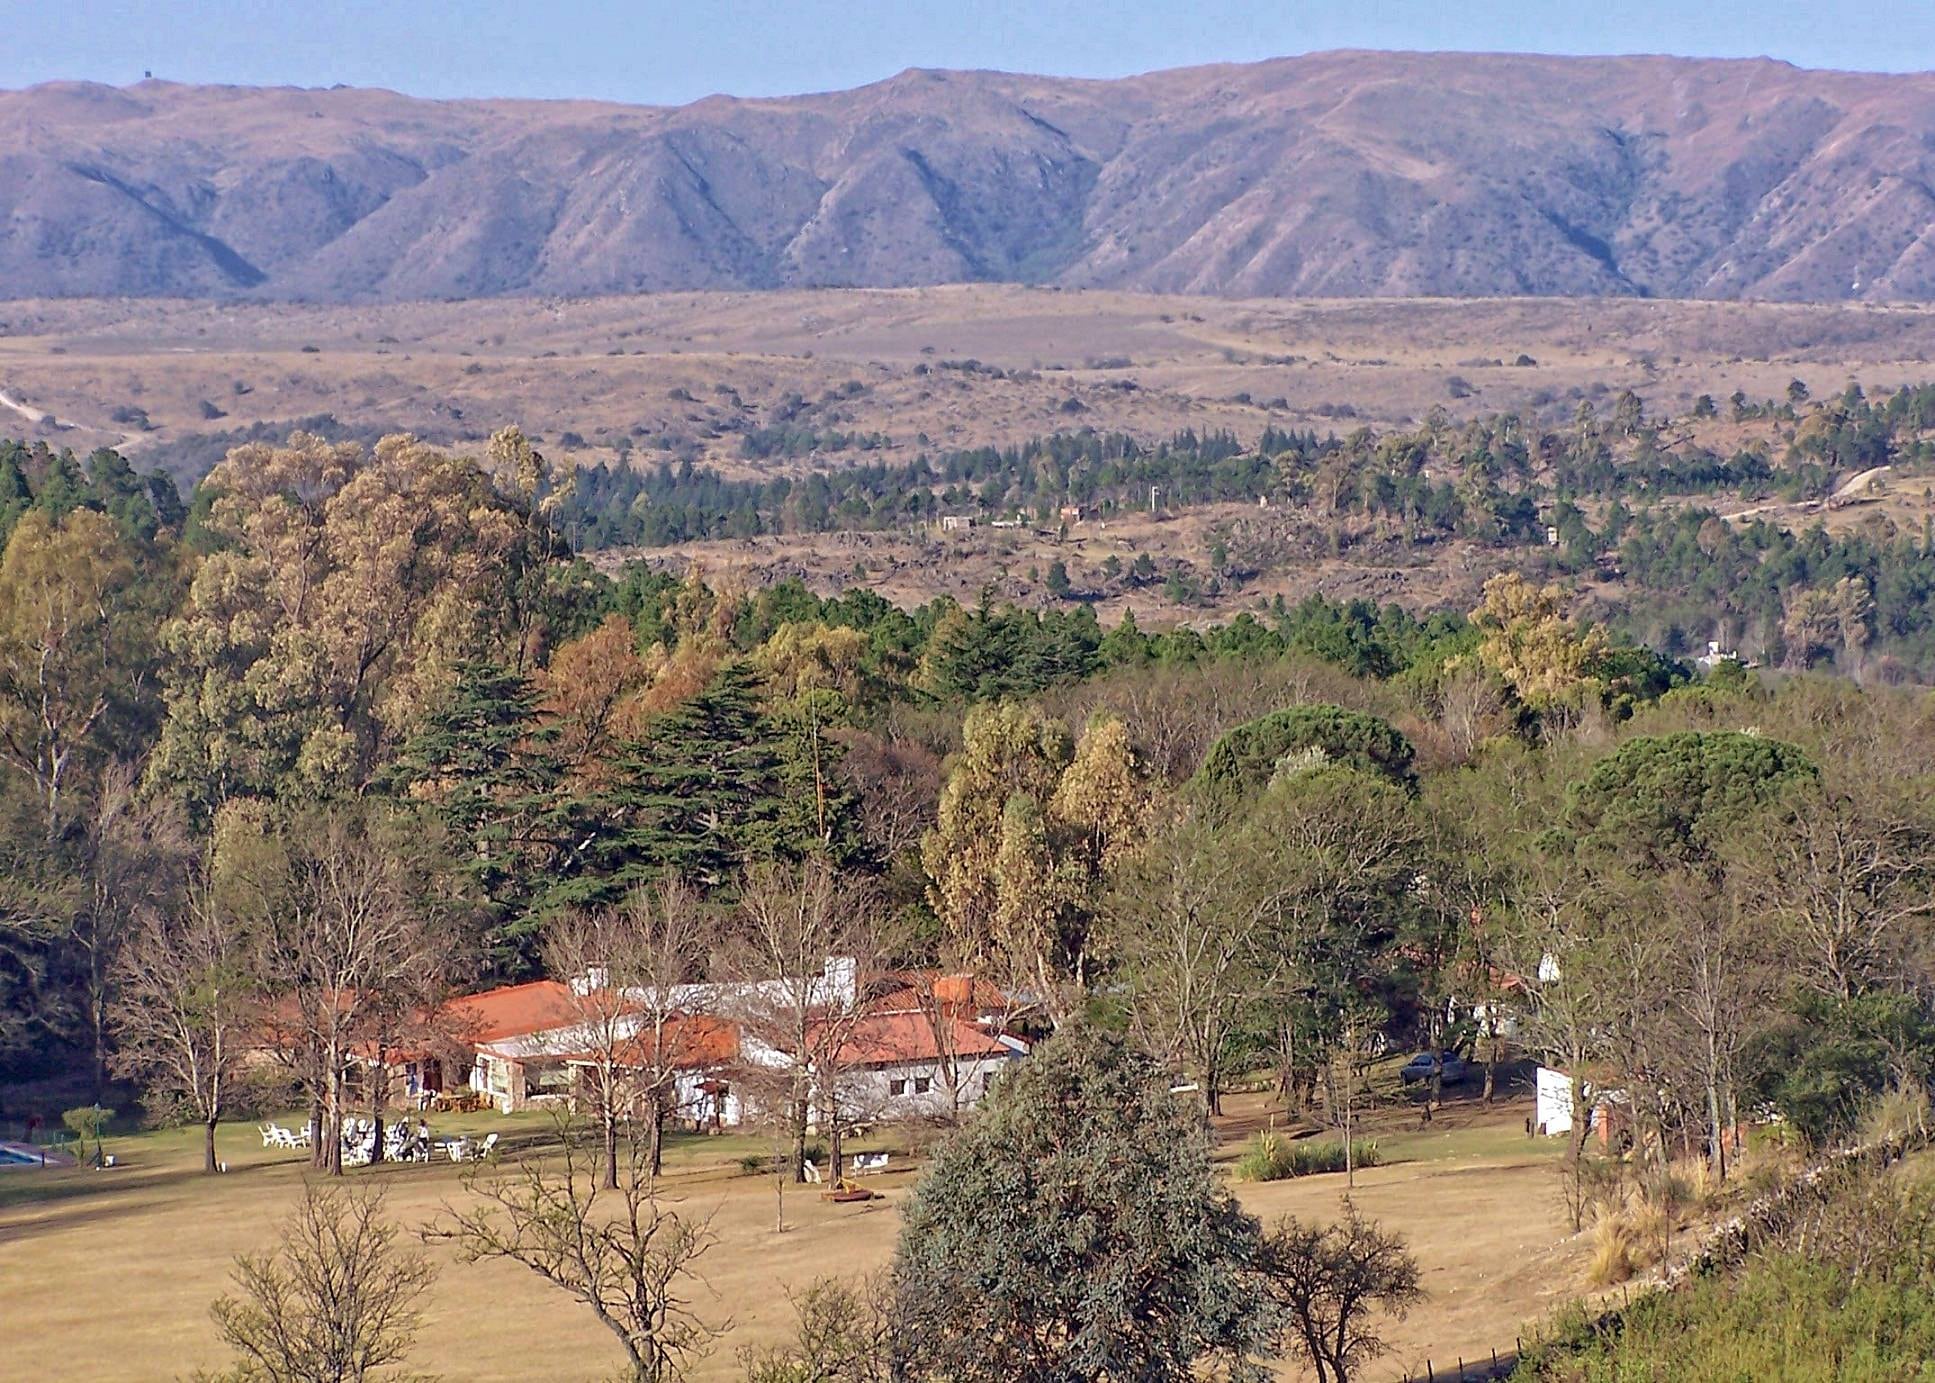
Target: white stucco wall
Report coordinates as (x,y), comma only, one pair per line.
(1554,1102)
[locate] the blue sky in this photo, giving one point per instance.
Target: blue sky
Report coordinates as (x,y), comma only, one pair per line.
(654,52)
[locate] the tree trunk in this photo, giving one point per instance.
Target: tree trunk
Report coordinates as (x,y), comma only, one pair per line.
(799,1141)
(1576,1141)
(1716,1139)
(318,1128)
(833,1132)
(333,1118)
(97,1003)
(209,1165)
(1491,1054)
(1350,1162)
(378,1079)
(658,1134)
(610,1123)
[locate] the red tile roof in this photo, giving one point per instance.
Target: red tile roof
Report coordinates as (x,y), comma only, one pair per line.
(697,1042)
(512,1011)
(886,1038)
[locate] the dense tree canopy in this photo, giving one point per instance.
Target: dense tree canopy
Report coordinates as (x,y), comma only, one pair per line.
(1674,798)
(1075,1231)
(1245,760)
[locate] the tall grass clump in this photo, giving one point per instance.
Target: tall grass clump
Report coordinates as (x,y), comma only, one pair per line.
(1614,1248)
(1901,1114)
(1272,1157)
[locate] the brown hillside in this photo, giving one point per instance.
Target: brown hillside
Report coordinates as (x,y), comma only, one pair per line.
(1359,174)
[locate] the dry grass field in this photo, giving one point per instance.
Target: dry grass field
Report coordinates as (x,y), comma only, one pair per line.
(685,373)
(111,1273)
(912,567)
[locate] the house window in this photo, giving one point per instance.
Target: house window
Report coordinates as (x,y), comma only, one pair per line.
(896,1087)
(922,1085)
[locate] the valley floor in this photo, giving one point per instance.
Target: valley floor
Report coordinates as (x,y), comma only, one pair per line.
(109,1274)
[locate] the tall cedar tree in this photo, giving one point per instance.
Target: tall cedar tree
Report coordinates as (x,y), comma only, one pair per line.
(485,764)
(819,810)
(699,793)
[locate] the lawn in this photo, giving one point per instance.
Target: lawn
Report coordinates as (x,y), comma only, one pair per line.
(109,1274)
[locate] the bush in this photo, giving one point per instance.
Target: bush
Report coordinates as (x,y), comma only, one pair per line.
(87,1123)
(1614,1249)
(1272,1157)
(1266,1159)
(1026,1206)
(1897,1115)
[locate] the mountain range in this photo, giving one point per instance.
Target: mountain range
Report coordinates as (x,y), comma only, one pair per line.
(1332,175)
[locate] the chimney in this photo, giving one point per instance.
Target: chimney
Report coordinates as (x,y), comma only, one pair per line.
(842,979)
(595,978)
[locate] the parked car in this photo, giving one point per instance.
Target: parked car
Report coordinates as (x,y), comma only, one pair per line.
(1452,1068)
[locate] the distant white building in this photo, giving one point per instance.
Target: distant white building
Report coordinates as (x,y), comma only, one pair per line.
(1608,1112)
(1553,1114)
(1716,655)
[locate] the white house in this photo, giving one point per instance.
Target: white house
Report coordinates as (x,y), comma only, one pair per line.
(909,1064)
(923,1051)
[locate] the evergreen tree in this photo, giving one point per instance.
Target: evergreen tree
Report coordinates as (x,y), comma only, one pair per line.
(695,797)
(819,812)
(1025,1254)
(483,763)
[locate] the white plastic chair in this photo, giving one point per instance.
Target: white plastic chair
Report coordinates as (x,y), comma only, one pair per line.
(489,1147)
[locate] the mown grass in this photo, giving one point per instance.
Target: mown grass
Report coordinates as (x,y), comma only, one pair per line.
(116,1269)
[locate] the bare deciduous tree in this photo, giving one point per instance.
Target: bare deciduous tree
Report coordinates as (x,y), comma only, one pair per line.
(1850,882)
(345,942)
(336,1302)
(186,1006)
(844,1334)
(806,961)
(1551,941)
(1330,1281)
(134,858)
(1186,916)
(626,968)
(898,781)
(1726,979)
(667,933)
(621,1253)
